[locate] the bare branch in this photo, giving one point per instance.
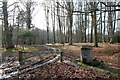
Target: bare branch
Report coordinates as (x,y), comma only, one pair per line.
(12,4)
(110,5)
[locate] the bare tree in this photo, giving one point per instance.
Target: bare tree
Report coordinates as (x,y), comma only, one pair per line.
(8,28)
(59,22)
(70,19)
(53,20)
(94,6)
(28,8)
(47,20)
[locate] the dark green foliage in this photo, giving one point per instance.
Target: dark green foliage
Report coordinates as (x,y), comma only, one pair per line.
(10,47)
(26,33)
(26,37)
(116,37)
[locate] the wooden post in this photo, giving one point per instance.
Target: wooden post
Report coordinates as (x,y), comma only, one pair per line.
(61,57)
(20,57)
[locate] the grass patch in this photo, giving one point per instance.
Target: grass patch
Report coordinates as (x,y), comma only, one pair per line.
(27,48)
(66,43)
(34,49)
(80,63)
(4,49)
(9,49)
(113,71)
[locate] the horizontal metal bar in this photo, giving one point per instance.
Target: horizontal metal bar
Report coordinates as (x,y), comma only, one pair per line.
(41,52)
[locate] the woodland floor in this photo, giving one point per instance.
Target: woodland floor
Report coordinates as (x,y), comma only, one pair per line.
(109,53)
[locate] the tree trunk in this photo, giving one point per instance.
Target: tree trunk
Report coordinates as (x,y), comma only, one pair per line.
(47,21)
(95,30)
(8,29)
(47,26)
(101,24)
(95,26)
(91,36)
(110,22)
(28,14)
(59,22)
(70,18)
(104,40)
(54,26)
(88,29)
(85,27)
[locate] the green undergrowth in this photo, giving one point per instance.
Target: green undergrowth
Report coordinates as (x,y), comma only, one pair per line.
(10,49)
(28,49)
(25,48)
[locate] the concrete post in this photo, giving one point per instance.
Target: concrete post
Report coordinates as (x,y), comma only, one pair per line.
(85,55)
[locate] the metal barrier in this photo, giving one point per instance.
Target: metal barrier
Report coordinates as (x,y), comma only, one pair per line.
(16,70)
(46,50)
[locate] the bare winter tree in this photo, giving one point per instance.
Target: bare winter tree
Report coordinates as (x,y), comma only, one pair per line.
(93,14)
(47,20)
(70,21)
(28,8)
(8,28)
(59,22)
(53,16)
